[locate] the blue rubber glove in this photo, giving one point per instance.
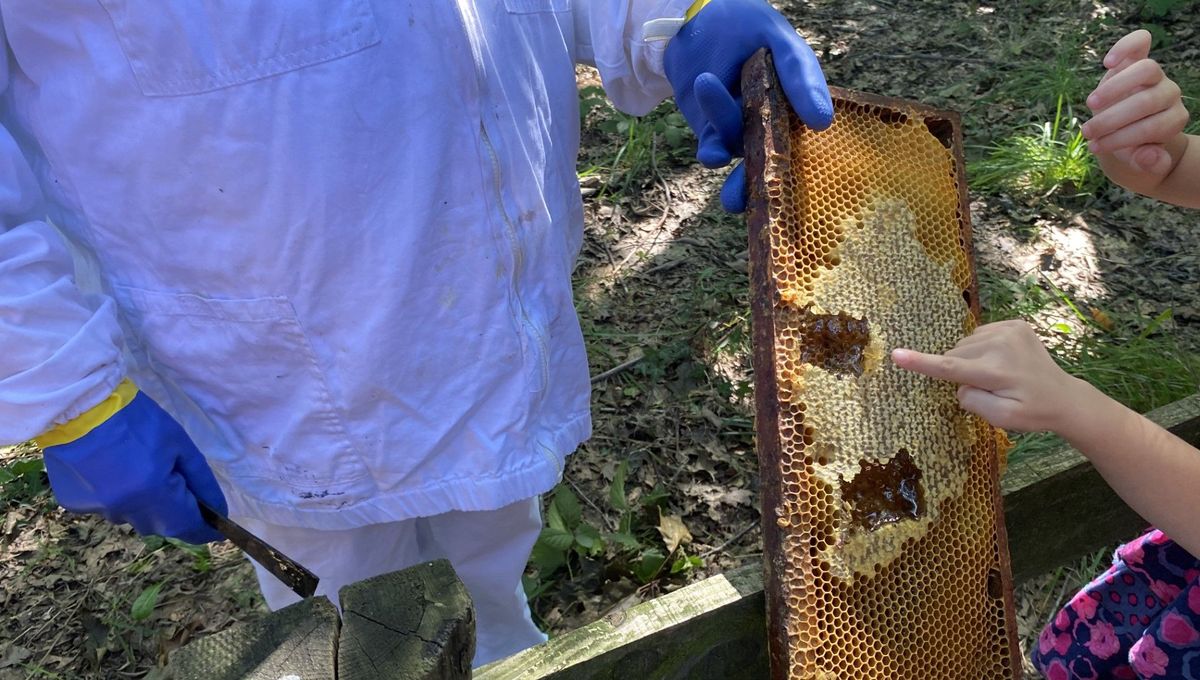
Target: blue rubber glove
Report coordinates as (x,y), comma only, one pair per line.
(137,467)
(704,62)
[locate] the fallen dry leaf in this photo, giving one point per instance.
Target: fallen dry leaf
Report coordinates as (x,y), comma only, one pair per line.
(674,531)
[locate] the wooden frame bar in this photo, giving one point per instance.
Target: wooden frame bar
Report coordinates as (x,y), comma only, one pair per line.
(769,122)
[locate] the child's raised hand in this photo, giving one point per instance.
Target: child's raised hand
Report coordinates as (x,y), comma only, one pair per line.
(1137,127)
(1006,376)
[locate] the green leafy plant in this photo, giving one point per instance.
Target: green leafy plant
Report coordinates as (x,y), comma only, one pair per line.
(1003,298)
(143,605)
(201,556)
(22,480)
(632,550)
(564,540)
(1158,9)
(641,143)
(638,553)
(1054,160)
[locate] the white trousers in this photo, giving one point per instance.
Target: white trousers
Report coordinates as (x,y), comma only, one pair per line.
(487,549)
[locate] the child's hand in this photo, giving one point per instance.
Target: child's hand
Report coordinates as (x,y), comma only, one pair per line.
(1137,128)
(1006,376)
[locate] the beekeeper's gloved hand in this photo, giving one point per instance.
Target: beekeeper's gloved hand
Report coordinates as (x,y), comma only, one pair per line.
(130,462)
(704,62)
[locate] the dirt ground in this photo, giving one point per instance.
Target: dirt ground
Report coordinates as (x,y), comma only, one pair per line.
(663,298)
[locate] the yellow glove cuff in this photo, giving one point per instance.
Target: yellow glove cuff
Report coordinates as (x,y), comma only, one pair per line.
(695,9)
(90,419)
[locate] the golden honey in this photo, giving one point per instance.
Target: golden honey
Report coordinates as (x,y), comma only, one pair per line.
(888,558)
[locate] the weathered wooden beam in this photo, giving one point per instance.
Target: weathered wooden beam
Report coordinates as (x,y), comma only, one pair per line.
(1058,508)
(416,624)
(710,629)
(299,641)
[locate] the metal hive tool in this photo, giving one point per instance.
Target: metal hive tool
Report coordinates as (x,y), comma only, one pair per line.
(886,554)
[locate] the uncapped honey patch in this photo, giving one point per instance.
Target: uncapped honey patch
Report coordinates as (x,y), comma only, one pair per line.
(890,551)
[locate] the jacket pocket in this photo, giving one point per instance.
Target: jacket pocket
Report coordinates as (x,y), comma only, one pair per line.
(248,368)
(536,6)
(177,48)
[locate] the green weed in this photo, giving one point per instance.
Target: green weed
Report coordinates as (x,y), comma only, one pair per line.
(201,556)
(632,550)
(22,480)
(641,143)
(35,671)
(1187,77)
(1141,368)
(1054,160)
(1159,9)
(1035,80)
(1004,298)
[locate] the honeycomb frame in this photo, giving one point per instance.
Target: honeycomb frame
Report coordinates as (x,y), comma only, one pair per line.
(826,604)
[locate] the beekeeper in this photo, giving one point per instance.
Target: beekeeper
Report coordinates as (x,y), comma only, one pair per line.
(311,262)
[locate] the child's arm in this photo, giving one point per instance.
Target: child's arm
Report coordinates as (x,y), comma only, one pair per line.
(1009,379)
(1137,128)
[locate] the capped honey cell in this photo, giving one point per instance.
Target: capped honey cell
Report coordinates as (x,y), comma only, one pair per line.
(885,546)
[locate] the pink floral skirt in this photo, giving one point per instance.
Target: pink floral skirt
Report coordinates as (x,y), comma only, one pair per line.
(1138,620)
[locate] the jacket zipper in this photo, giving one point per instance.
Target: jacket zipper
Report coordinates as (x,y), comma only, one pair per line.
(518,263)
(514,244)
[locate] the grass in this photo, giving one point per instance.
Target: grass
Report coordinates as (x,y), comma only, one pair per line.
(1034,78)
(1143,370)
(1136,361)
(1055,159)
(1187,76)
(1160,9)
(661,136)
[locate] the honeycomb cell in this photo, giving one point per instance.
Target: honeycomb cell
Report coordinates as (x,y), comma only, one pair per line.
(885,531)
(838,343)
(886,493)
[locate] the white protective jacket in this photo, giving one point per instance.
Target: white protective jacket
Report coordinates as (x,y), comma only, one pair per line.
(334,238)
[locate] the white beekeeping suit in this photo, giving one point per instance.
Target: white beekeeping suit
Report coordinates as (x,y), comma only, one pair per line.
(334,240)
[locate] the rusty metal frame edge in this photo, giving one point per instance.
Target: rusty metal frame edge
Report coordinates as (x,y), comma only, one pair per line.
(766,143)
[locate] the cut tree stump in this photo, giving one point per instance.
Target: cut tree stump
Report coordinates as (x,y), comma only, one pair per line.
(299,642)
(416,624)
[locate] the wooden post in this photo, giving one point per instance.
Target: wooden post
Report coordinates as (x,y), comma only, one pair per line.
(416,624)
(299,641)
(710,629)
